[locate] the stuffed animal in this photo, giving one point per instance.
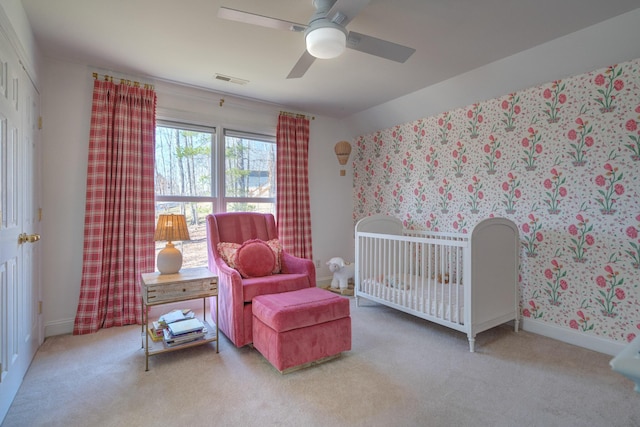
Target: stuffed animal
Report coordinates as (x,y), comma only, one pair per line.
(342,272)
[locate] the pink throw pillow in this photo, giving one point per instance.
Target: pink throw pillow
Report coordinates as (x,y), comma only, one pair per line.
(255,259)
(276,247)
(227,251)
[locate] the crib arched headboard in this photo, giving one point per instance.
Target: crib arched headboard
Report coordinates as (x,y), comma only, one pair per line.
(380,224)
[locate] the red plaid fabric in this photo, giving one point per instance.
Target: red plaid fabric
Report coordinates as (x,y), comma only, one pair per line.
(119,213)
(292,198)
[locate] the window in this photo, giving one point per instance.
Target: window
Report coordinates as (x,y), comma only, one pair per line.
(196,174)
(249,173)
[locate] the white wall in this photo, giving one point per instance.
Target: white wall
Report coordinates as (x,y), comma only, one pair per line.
(66,107)
(66,111)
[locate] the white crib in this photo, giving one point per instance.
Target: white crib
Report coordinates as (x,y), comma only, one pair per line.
(467,282)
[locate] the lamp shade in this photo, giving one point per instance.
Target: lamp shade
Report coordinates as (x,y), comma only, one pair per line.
(326,42)
(170,228)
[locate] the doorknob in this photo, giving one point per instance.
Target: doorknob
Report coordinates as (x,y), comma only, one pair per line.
(31,238)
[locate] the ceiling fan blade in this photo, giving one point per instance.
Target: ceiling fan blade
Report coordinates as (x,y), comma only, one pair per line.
(301,66)
(343,11)
(255,19)
(378,47)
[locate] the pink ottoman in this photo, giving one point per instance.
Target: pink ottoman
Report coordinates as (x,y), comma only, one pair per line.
(300,327)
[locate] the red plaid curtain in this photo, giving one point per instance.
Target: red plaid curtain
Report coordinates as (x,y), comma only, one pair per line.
(292,171)
(119,214)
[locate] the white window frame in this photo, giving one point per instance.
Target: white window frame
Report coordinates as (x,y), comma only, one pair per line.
(224,199)
(214,195)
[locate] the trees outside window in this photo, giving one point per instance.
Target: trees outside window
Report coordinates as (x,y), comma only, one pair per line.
(197,174)
(249,173)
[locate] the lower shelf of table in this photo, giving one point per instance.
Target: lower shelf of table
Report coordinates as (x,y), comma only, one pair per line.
(157,347)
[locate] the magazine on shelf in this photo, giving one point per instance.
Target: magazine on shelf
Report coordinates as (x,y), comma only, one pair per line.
(185,326)
(171,340)
(172,316)
(176,316)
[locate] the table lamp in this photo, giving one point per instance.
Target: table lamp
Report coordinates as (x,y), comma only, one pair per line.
(170,228)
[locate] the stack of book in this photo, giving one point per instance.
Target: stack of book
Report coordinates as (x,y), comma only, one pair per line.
(184,331)
(157,327)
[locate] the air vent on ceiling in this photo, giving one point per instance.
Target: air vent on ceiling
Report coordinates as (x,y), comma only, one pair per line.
(231,79)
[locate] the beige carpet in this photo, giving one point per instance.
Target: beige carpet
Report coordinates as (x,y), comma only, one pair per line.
(401,371)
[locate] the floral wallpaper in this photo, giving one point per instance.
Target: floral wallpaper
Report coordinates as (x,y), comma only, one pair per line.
(561,160)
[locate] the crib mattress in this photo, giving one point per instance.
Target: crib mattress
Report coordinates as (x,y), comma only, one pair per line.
(441,300)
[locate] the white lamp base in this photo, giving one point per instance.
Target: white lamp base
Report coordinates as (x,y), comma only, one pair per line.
(169,260)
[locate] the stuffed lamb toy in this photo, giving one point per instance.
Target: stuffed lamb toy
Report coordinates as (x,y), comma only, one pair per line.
(342,272)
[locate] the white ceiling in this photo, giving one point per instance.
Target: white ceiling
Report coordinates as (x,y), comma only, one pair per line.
(184,41)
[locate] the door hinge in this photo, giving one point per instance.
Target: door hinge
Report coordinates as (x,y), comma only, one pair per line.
(40,122)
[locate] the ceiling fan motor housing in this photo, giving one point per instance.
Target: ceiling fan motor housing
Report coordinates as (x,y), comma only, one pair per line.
(325,39)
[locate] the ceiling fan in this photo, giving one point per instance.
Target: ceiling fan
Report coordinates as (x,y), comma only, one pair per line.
(325,35)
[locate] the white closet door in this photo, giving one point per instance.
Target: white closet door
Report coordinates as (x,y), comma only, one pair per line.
(21,329)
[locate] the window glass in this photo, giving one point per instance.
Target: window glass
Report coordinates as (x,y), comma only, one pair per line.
(251,207)
(250,168)
(183,162)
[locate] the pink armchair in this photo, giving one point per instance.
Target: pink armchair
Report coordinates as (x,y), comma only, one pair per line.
(235,293)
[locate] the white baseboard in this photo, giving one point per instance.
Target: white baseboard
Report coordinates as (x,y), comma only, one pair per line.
(59,327)
(570,336)
(323,281)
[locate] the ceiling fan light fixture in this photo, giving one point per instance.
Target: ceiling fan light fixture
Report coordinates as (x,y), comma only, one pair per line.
(326,42)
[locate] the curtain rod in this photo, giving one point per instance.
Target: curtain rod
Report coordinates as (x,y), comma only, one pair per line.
(297,115)
(128,82)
